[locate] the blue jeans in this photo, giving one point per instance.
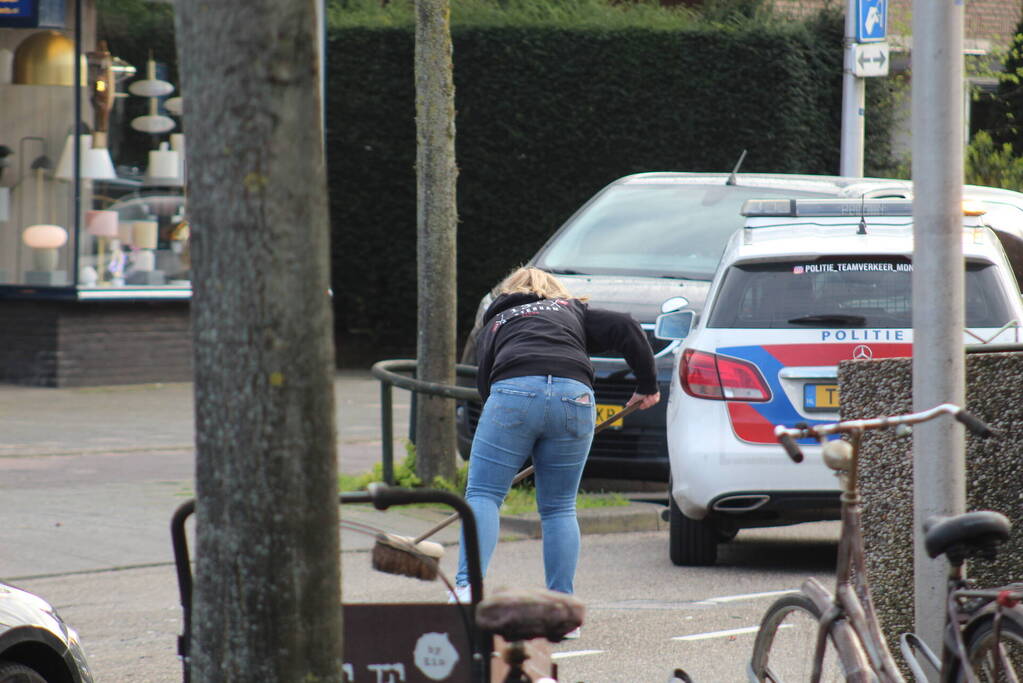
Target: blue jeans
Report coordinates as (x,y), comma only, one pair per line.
(551,420)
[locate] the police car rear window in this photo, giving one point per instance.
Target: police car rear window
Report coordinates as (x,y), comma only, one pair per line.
(847,292)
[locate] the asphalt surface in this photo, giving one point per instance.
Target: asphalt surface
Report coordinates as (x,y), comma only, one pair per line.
(89,479)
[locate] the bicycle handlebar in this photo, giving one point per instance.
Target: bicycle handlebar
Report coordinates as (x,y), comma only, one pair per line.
(787,435)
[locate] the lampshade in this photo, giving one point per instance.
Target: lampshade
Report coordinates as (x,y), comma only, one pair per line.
(44,236)
(173,105)
(126,232)
(164,167)
(45,58)
(151,86)
(144,234)
(101,223)
(155,124)
(95,163)
(65,169)
(98,164)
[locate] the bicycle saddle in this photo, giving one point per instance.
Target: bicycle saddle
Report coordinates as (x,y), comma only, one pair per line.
(527,614)
(962,536)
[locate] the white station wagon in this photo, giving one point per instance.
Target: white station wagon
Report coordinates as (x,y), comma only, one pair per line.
(805,284)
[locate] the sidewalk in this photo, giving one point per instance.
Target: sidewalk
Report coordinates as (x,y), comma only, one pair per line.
(142,438)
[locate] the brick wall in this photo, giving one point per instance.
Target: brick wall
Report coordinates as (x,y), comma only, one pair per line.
(992,20)
(74,344)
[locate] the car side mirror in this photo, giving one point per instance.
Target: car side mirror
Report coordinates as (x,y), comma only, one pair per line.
(674,325)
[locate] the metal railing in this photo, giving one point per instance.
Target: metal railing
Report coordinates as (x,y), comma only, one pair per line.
(387,371)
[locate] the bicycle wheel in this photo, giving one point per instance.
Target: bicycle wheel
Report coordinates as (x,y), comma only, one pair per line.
(784,648)
(982,654)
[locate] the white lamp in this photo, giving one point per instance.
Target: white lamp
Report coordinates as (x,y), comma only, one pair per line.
(144,260)
(164,167)
(45,240)
(152,88)
(173,105)
(102,224)
(95,162)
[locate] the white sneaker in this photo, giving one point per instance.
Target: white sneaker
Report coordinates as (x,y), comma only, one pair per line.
(461,594)
(574,634)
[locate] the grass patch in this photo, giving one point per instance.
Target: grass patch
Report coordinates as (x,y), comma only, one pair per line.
(520,500)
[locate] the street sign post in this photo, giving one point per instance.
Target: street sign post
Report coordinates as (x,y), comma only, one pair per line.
(871,20)
(869,59)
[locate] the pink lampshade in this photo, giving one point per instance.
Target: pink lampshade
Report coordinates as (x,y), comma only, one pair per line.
(101,223)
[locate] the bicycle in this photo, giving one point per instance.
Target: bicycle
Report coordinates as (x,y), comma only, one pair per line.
(983,629)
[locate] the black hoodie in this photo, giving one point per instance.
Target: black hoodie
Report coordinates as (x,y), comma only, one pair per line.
(525,335)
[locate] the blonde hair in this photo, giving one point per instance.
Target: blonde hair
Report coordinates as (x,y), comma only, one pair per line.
(533,281)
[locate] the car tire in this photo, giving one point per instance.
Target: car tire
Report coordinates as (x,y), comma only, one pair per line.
(691,542)
(18,673)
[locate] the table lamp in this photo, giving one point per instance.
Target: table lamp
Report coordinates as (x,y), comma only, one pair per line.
(102,224)
(45,240)
(144,236)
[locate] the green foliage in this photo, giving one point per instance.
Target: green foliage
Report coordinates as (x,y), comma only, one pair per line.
(991,164)
(521,499)
(1007,126)
(549,114)
(545,13)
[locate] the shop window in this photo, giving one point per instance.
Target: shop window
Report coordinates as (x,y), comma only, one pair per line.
(80,216)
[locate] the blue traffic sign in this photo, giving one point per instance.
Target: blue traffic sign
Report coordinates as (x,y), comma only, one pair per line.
(871,20)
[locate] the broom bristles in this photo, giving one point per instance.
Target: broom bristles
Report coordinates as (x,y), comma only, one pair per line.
(396,555)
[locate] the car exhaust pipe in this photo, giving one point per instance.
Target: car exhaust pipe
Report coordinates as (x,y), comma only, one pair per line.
(736,504)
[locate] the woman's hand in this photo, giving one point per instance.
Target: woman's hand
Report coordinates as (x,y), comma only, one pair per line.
(645,400)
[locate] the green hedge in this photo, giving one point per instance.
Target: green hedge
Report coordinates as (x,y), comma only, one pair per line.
(553,102)
(545,118)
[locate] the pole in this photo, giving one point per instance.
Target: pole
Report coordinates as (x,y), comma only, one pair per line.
(853,102)
(938,351)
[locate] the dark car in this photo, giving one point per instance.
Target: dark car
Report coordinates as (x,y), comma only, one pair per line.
(648,244)
(36,645)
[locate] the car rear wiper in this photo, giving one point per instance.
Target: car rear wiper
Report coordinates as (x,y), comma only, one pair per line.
(829,318)
(564,271)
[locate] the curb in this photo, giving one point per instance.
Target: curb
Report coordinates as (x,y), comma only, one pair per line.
(636,516)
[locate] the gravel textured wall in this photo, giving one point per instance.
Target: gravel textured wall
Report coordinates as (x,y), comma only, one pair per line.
(993,472)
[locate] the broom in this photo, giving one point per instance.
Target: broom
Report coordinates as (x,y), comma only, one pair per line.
(402,555)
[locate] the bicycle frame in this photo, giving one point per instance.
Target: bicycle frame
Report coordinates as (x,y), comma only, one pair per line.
(849,616)
(851,600)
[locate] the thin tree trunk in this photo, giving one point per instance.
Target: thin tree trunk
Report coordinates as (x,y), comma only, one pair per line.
(436,221)
(267,590)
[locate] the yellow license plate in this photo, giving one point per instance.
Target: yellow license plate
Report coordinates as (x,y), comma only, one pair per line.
(605,411)
(820,396)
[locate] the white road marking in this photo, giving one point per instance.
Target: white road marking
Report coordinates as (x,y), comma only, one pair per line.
(719,634)
(739,598)
(575,653)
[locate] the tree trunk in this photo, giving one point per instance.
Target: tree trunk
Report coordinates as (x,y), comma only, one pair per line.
(436,219)
(267,589)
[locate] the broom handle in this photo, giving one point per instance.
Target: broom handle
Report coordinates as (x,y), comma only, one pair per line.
(526,472)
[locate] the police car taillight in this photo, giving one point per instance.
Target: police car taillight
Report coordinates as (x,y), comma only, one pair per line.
(720,378)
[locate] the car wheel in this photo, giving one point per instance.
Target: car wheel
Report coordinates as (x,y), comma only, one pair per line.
(18,673)
(691,542)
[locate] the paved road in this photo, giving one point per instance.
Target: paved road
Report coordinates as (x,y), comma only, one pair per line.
(89,479)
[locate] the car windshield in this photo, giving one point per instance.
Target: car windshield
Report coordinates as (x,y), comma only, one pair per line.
(848,292)
(660,230)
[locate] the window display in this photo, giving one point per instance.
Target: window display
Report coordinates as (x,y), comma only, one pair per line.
(77,218)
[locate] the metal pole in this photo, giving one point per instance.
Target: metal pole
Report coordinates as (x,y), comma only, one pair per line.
(387,431)
(853,102)
(938,346)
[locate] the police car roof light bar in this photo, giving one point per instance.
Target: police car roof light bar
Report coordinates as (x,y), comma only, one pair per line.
(797,208)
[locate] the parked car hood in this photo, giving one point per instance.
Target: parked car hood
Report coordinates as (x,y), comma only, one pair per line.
(640,296)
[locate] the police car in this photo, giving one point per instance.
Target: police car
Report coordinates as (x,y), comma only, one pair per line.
(804,285)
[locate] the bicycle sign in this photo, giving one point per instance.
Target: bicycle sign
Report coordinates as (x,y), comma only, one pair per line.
(871,20)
